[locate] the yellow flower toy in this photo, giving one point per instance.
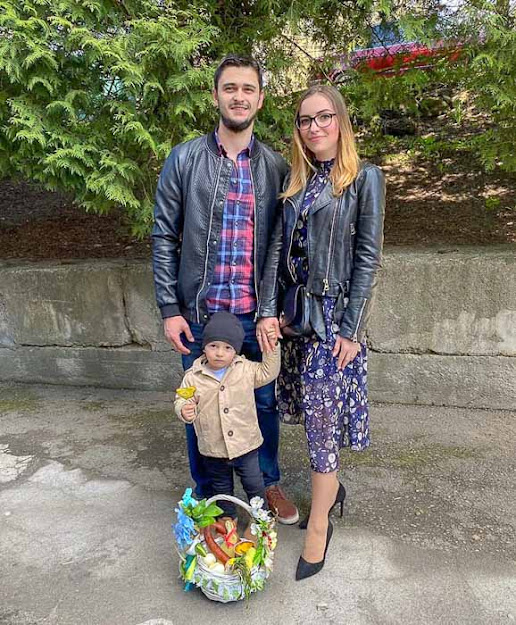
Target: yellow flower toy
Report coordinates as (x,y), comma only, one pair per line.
(187,392)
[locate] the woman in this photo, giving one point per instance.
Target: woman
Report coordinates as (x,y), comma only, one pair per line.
(332,242)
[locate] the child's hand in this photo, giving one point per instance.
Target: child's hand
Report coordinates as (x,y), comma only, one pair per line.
(267,333)
(189,410)
(272,337)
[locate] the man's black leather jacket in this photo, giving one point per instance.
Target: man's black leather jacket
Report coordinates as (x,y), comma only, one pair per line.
(188,218)
(345,237)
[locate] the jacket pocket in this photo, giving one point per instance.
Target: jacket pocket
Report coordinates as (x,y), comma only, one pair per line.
(201,424)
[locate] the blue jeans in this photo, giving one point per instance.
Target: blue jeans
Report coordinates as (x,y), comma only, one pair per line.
(266,408)
(248,470)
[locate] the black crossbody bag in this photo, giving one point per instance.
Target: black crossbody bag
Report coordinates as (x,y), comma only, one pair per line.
(296,312)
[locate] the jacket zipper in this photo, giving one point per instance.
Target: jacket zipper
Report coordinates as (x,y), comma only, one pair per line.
(208,242)
(290,243)
(359,319)
(326,283)
(255,230)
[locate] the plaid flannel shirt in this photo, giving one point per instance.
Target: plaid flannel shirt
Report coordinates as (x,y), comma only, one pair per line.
(232,285)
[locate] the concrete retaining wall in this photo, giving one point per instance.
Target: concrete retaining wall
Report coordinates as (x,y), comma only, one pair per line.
(443,330)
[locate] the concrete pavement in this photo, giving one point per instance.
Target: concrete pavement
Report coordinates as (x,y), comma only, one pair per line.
(89,479)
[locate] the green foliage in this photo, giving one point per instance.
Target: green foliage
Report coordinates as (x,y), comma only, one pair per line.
(483,79)
(94,93)
(241,569)
(492,202)
(202,514)
(490,78)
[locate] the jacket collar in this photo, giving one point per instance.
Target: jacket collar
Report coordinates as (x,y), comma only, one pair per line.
(254,147)
(324,198)
(222,150)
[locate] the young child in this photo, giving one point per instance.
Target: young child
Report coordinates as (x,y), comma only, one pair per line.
(223,409)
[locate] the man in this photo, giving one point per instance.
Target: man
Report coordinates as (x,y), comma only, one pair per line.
(216,213)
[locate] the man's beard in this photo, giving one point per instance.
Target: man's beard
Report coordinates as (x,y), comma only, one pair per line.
(234,126)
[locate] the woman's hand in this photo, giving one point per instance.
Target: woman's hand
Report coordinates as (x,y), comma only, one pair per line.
(268,332)
(345,351)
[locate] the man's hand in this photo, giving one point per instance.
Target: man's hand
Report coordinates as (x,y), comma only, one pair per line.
(345,351)
(189,411)
(173,327)
(268,332)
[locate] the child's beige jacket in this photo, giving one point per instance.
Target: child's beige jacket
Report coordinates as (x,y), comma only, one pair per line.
(226,423)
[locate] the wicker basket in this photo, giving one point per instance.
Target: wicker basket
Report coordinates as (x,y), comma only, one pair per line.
(226,587)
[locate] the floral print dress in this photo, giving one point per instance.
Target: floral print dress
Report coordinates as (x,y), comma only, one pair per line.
(331,402)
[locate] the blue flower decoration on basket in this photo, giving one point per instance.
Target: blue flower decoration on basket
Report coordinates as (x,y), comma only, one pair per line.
(184,529)
(188,500)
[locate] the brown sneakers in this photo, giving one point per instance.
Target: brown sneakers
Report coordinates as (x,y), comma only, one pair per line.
(286,512)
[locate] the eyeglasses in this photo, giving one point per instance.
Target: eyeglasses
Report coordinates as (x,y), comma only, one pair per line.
(322,120)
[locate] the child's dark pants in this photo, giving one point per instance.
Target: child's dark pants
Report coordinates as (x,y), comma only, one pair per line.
(220,474)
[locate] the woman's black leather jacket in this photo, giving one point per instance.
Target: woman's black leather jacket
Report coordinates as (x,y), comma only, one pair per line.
(345,237)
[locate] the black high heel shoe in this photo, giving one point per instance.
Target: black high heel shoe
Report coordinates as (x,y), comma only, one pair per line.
(341,495)
(307,569)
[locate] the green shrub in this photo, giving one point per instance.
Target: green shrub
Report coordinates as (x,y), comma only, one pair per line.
(94,93)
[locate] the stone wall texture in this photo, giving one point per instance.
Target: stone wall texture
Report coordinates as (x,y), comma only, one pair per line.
(443,329)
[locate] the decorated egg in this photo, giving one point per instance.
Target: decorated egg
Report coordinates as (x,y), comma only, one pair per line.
(210,560)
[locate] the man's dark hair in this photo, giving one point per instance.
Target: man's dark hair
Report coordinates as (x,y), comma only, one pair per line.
(234,60)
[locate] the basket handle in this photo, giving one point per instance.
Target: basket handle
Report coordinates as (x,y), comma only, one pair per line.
(232,499)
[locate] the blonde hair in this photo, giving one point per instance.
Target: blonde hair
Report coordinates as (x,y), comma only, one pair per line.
(347,162)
